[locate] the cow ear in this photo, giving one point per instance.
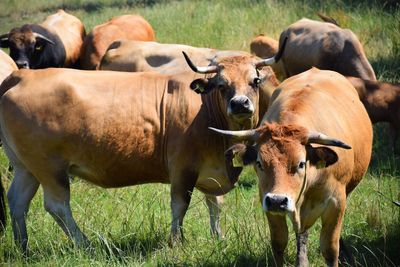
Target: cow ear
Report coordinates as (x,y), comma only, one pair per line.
(321,157)
(4,41)
(237,157)
(200,86)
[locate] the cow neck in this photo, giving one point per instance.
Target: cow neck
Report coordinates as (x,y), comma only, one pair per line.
(216,117)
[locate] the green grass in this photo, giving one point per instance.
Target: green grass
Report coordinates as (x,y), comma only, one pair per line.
(130,226)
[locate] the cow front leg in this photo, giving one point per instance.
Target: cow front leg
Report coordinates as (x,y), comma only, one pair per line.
(393,135)
(181,193)
(57,203)
(330,232)
(23,188)
(214,207)
(279,236)
(302,258)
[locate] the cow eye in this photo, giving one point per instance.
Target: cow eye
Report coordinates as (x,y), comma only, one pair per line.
(38,48)
(256,82)
(302,164)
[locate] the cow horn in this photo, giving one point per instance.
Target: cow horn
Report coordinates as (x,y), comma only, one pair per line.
(251,135)
(274,59)
(319,138)
(40,36)
(203,70)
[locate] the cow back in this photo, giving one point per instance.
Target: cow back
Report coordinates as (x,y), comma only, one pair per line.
(130,27)
(70,30)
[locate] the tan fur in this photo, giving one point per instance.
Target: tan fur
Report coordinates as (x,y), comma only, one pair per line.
(130,27)
(322,101)
(7,65)
(71,32)
(118,129)
(318,44)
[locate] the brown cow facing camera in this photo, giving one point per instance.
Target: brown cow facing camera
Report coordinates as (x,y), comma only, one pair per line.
(311,151)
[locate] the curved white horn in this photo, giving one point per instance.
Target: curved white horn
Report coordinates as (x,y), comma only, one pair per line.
(242,135)
(322,139)
(38,35)
(274,59)
(203,70)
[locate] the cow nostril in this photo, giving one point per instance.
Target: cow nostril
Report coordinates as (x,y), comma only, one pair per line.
(22,65)
(267,201)
(285,201)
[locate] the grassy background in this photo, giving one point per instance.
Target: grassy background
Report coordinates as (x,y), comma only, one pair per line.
(130,226)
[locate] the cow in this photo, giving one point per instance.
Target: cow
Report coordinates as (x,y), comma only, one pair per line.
(299,179)
(129,27)
(56,42)
(138,56)
(318,44)
(7,65)
(117,129)
(382,102)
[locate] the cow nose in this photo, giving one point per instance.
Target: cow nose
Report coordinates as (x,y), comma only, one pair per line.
(241,105)
(276,203)
(22,64)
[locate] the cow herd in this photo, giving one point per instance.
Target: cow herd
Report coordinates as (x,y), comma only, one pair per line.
(191,119)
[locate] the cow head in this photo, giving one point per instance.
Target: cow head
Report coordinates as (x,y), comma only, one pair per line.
(26,46)
(281,155)
(237,81)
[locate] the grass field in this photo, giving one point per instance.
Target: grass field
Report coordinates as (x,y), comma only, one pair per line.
(130,226)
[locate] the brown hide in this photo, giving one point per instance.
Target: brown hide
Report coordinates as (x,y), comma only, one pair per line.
(118,129)
(130,27)
(7,65)
(318,44)
(70,30)
(382,101)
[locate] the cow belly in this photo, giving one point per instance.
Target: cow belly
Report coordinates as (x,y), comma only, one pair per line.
(214,183)
(119,176)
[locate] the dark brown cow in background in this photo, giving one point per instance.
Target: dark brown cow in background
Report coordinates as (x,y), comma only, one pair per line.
(7,65)
(54,43)
(318,44)
(130,27)
(296,177)
(118,129)
(382,101)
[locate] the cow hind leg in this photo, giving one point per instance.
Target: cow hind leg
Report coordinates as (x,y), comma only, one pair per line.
(23,188)
(57,203)
(214,206)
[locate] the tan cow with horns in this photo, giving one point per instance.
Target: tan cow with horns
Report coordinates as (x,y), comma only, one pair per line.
(117,129)
(296,177)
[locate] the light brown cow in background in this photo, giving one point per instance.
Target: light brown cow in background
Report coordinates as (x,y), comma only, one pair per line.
(302,180)
(130,27)
(382,101)
(7,65)
(323,45)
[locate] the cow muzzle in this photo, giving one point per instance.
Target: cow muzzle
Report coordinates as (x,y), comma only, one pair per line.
(240,108)
(22,64)
(278,203)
